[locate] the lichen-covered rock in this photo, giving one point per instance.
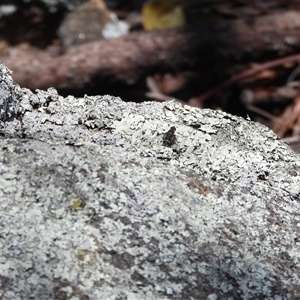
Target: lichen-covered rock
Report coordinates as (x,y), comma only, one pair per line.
(97,204)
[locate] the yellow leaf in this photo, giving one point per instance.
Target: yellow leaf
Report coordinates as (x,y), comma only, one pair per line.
(161,14)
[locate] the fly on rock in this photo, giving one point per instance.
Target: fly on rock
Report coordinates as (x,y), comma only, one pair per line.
(169,137)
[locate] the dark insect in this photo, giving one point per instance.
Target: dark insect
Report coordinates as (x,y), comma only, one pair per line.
(169,137)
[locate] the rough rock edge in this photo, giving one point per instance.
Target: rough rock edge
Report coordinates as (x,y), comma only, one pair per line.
(94,206)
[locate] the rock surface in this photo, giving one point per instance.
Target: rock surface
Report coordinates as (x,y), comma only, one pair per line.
(97,204)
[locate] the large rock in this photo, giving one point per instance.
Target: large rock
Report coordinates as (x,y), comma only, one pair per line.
(97,202)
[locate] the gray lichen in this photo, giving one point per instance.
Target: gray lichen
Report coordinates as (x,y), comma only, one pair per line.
(94,206)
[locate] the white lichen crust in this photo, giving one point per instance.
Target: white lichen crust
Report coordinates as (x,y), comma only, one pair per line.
(95,206)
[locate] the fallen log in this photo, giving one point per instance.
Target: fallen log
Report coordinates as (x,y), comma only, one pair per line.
(128,59)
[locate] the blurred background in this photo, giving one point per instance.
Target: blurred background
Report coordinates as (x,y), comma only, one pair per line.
(238,56)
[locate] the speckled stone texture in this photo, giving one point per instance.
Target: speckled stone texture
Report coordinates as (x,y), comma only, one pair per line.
(96,205)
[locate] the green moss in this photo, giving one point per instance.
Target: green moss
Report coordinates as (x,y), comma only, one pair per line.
(80,254)
(77,204)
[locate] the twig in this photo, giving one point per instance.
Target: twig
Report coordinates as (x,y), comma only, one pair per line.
(245,74)
(292,139)
(155,92)
(262,113)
